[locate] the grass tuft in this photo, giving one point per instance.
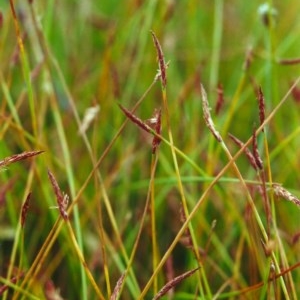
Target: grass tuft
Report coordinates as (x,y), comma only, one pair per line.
(178,209)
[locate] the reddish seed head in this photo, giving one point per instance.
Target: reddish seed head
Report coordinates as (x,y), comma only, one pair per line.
(261,105)
(161,61)
(17,157)
(25,208)
(135,119)
(171,284)
(62,200)
(248,153)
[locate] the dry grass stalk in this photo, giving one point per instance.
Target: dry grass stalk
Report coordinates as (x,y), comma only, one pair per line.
(285,194)
(117,289)
(62,199)
(161,61)
(25,208)
(255,151)
(248,153)
(173,283)
(206,113)
(17,157)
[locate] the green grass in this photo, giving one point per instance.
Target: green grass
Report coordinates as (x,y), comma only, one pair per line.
(195,202)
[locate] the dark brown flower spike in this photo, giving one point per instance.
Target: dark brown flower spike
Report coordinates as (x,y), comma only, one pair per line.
(135,119)
(161,61)
(285,194)
(261,106)
(62,199)
(157,127)
(17,157)
(248,153)
(25,208)
(255,151)
(206,113)
(173,282)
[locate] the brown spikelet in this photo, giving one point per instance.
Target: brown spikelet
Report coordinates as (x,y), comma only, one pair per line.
(206,113)
(117,289)
(261,105)
(248,153)
(135,119)
(62,200)
(296,94)
(157,127)
(220,99)
(25,208)
(289,61)
(295,238)
(51,292)
(161,61)
(285,194)
(173,283)
(255,151)
(17,157)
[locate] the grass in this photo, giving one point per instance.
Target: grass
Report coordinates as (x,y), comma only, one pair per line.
(203,204)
